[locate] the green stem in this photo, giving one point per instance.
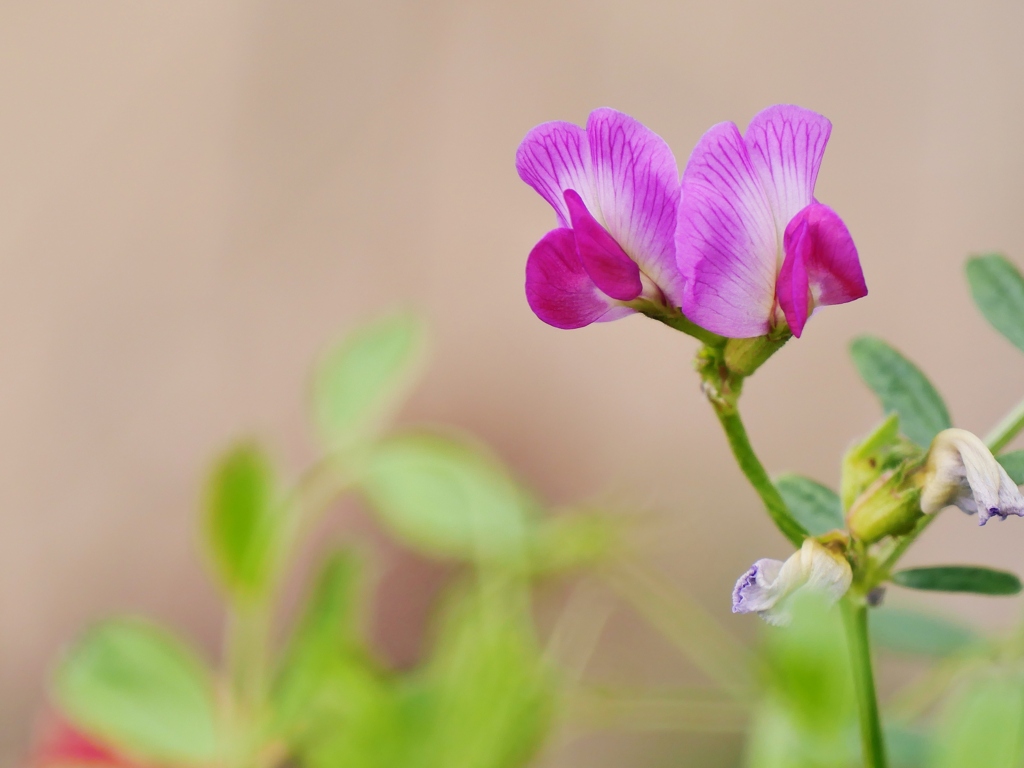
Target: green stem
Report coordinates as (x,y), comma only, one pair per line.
(678,321)
(1006,429)
(755,472)
(248,663)
(855,616)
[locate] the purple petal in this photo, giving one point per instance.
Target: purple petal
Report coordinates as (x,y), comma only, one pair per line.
(821,265)
(786,144)
(607,264)
(756,590)
(554,157)
(637,188)
(558,288)
(726,239)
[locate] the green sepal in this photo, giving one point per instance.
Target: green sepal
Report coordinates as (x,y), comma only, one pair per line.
(881,451)
(888,507)
(744,356)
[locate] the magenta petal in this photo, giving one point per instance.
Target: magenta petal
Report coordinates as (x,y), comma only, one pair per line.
(554,157)
(607,264)
(726,239)
(558,288)
(786,144)
(637,189)
(821,265)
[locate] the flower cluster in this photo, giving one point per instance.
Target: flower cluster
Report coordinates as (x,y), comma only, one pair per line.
(738,245)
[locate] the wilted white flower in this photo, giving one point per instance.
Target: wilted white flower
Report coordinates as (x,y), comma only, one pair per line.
(961,470)
(764,588)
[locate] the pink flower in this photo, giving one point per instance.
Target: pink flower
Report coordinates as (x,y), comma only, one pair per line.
(615,189)
(65,745)
(753,244)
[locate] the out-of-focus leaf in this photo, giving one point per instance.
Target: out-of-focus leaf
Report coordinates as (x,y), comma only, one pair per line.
(1013,463)
(902,388)
(998,290)
(921,634)
(137,688)
(807,712)
(242,520)
(447,498)
(814,506)
(907,748)
(981,725)
(364,378)
(325,635)
(572,541)
(959,578)
(490,692)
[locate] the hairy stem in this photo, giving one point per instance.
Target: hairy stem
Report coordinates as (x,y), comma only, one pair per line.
(1007,429)
(755,472)
(855,619)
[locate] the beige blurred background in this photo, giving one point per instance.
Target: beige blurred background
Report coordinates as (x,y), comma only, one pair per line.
(196,196)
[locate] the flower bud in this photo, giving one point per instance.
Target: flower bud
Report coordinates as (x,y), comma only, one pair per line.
(764,589)
(889,507)
(961,470)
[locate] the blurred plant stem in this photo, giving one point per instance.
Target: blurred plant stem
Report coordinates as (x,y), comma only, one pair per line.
(1007,429)
(729,416)
(687,625)
(855,620)
(676,711)
(247,659)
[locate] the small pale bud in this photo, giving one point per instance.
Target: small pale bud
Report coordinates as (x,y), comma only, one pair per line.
(764,589)
(889,507)
(961,470)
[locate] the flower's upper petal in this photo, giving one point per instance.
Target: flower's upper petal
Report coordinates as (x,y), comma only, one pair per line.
(758,589)
(786,144)
(821,265)
(558,288)
(961,470)
(637,188)
(608,265)
(726,239)
(555,157)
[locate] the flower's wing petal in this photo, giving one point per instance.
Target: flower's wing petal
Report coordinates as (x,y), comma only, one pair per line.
(825,571)
(607,264)
(786,144)
(637,187)
(758,589)
(558,288)
(554,157)
(821,265)
(726,242)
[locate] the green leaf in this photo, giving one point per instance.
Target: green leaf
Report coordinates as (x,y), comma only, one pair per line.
(490,692)
(137,687)
(1013,463)
(902,388)
(921,634)
(981,725)
(998,290)
(959,578)
(242,520)
(814,506)
(326,634)
(447,497)
(572,541)
(361,381)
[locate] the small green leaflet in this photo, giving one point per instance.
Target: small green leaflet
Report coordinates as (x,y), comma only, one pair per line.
(902,388)
(903,630)
(362,380)
(242,520)
(134,685)
(998,290)
(1013,463)
(814,506)
(959,578)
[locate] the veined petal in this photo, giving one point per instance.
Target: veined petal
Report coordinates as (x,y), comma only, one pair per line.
(726,240)
(555,157)
(961,470)
(821,265)
(786,144)
(558,288)
(608,265)
(766,586)
(637,188)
